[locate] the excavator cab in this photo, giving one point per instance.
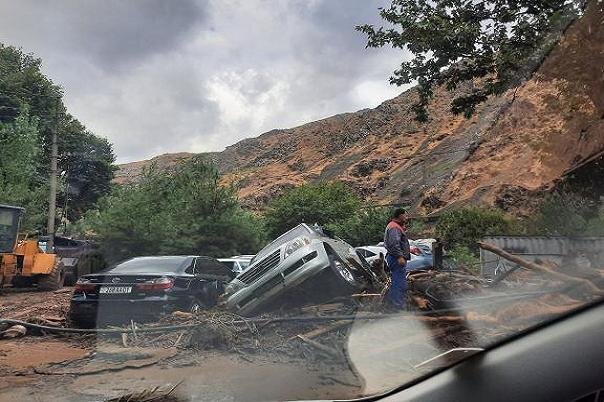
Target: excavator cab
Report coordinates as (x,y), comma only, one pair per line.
(22,262)
(10,222)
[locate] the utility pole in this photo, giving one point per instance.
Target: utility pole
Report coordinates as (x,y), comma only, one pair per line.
(52,198)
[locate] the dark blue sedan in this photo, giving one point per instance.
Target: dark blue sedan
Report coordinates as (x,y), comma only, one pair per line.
(144,287)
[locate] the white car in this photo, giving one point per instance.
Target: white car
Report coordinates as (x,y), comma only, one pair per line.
(303,264)
(371,253)
(421,253)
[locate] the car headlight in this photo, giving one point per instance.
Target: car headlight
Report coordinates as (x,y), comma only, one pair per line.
(295,245)
(231,288)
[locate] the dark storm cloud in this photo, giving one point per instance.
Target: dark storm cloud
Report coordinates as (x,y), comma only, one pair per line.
(110,32)
(160,76)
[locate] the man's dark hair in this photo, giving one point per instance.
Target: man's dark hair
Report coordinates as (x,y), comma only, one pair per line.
(398,211)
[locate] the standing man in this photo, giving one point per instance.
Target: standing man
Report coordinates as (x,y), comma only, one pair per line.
(398,253)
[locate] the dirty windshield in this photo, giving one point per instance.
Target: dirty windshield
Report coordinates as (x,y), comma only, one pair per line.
(291,200)
(151,265)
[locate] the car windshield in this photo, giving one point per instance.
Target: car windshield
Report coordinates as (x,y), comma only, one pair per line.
(294,200)
(298,231)
(230,264)
(151,265)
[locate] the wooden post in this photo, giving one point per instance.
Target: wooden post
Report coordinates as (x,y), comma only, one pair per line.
(52,198)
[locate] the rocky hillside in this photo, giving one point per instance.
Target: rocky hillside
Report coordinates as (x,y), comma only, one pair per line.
(515,145)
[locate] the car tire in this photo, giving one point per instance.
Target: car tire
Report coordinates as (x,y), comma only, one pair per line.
(343,275)
(195,306)
(70,279)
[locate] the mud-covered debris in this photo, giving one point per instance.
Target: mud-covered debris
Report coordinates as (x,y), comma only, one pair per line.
(183,315)
(16,331)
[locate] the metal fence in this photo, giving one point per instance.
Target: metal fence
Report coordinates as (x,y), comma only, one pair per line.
(587,251)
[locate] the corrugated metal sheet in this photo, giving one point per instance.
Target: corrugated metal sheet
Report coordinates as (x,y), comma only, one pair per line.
(555,249)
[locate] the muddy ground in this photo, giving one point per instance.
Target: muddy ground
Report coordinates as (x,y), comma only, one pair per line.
(91,368)
(311,352)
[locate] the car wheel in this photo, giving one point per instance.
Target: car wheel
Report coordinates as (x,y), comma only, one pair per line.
(195,307)
(70,279)
(342,272)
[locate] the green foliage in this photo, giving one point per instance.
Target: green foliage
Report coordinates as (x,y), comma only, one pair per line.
(187,212)
(567,214)
(416,228)
(464,227)
(322,203)
(462,256)
(85,159)
(456,41)
(365,227)
(87,162)
(595,225)
(19,150)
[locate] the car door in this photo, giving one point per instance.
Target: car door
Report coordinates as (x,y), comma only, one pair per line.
(210,276)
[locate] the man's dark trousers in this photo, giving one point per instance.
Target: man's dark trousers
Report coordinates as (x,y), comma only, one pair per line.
(396,294)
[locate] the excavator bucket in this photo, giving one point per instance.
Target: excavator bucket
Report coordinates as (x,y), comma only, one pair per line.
(10,221)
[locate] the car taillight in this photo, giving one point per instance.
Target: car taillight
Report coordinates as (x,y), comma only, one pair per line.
(156,284)
(415,250)
(83,286)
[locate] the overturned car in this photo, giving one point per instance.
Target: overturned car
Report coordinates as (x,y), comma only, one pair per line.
(303,264)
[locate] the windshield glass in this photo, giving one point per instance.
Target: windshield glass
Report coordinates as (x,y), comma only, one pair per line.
(394,186)
(151,265)
(290,235)
(8,229)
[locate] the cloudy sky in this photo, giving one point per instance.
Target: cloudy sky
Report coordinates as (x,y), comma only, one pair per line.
(159,76)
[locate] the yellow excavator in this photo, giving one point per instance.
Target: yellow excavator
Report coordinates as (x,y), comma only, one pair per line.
(22,261)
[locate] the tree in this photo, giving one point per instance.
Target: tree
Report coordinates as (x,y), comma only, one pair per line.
(85,158)
(187,212)
(87,164)
(454,41)
(365,227)
(322,203)
(19,151)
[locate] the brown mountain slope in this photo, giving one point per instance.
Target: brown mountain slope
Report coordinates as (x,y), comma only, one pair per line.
(520,142)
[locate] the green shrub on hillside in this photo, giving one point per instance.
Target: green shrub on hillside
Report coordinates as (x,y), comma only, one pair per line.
(322,203)
(565,214)
(464,227)
(364,227)
(463,257)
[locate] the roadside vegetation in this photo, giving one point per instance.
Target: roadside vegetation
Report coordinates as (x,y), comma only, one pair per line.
(185,212)
(332,205)
(461,229)
(31,109)
(568,214)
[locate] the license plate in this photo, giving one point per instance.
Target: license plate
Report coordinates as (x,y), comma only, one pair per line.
(115,289)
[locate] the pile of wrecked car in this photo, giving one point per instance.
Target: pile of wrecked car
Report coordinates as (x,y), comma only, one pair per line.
(305,264)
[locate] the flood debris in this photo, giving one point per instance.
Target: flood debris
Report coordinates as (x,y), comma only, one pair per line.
(457,308)
(108,358)
(16,331)
(156,394)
